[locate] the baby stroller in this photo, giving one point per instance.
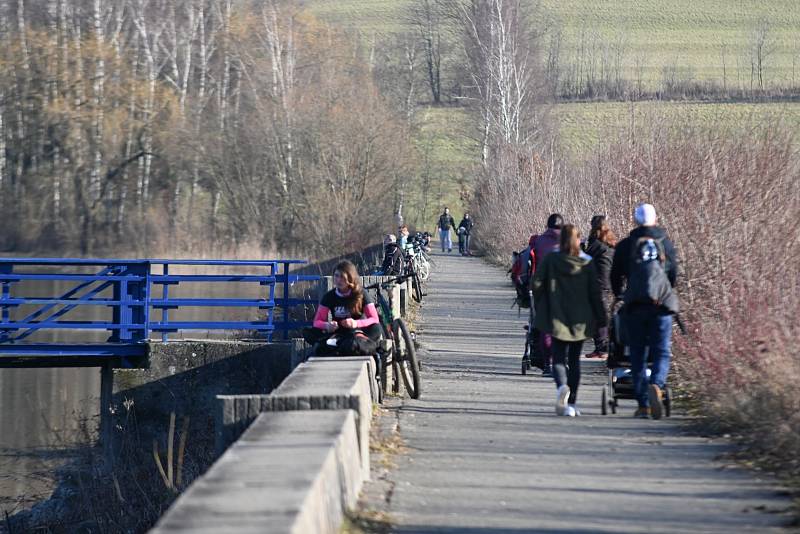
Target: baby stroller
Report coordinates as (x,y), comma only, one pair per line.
(620,377)
(533,355)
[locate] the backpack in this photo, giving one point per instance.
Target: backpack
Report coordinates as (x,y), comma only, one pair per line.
(392,260)
(647,278)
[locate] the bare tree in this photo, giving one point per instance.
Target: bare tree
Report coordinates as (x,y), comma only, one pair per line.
(428,18)
(762,46)
(504,64)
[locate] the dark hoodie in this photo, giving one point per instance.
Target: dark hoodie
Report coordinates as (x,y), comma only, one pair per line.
(622,257)
(567,298)
(602,254)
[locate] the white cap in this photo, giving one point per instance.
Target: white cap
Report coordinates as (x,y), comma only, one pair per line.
(645,215)
(389,238)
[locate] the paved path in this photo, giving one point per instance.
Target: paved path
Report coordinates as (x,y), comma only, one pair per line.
(486,454)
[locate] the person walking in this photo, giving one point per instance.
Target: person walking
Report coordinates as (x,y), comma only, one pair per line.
(569,307)
(542,245)
(600,246)
(444,224)
(646,263)
(463,236)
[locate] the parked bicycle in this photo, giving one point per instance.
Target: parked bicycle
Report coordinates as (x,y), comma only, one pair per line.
(400,344)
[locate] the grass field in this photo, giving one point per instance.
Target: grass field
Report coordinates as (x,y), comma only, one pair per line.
(584,125)
(689,36)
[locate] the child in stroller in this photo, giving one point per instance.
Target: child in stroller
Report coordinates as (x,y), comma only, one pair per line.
(620,378)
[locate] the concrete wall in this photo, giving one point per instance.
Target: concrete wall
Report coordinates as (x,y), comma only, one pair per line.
(184,379)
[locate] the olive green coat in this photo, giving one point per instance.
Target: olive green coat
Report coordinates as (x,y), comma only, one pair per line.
(567,298)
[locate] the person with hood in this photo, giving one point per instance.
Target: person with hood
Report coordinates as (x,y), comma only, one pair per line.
(542,245)
(392,257)
(600,246)
(646,263)
(464,229)
(569,308)
(443,224)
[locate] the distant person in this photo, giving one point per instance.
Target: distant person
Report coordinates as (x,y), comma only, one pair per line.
(444,224)
(600,246)
(646,264)
(403,239)
(464,230)
(542,245)
(570,309)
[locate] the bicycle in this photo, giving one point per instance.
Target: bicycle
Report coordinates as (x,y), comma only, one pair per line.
(404,355)
(411,270)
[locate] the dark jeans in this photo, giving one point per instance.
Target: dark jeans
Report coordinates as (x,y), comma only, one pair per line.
(466,244)
(567,366)
(648,333)
(461,240)
(601,338)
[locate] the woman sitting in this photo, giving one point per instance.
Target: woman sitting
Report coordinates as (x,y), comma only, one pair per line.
(348,312)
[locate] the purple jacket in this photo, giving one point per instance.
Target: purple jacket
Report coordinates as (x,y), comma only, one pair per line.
(546,243)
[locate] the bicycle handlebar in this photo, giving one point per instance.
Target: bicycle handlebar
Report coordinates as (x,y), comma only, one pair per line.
(396,280)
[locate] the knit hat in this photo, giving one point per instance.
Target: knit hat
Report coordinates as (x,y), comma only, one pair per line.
(389,238)
(645,215)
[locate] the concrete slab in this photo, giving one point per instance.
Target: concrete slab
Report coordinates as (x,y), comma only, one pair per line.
(319,384)
(293,472)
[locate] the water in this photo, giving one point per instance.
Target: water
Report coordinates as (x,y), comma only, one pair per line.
(44,415)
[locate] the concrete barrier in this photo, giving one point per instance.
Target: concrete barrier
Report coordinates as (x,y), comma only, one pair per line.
(331,383)
(293,472)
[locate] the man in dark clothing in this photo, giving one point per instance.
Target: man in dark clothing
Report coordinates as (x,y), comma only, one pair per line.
(445,222)
(542,245)
(648,325)
(463,236)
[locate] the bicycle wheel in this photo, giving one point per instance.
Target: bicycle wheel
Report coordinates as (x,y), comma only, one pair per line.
(416,287)
(384,367)
(406,357)
(423,268)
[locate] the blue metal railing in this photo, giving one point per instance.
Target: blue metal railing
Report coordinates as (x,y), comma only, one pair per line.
(138,295)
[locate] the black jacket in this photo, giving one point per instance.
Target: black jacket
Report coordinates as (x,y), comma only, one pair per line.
(602,256)
(622,257)
(445,222)
(466,224)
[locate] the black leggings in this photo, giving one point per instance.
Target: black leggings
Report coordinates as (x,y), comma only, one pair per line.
(567,365)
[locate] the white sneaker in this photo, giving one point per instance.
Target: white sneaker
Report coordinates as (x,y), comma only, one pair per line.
(573,411)
(561,400)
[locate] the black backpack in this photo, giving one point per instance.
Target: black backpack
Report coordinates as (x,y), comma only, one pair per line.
(392,260)
(647,278)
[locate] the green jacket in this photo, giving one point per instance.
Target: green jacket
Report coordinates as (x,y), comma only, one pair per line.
(567,298)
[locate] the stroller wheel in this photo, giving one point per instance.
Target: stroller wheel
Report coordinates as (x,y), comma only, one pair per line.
(604,401)
(667,401)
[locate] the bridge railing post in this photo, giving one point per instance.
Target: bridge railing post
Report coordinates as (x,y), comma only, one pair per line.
(6,268)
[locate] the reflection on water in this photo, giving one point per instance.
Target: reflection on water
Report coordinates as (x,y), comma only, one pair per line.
(45,413)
